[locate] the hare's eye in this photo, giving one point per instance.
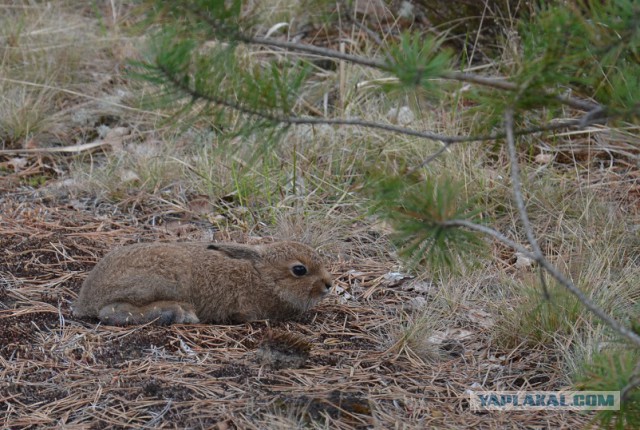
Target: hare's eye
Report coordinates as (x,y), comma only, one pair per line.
(299,270)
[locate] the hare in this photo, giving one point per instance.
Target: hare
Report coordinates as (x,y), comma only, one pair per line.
(203,282)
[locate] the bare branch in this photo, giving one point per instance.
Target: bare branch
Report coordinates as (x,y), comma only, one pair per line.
(311,49)
(430,158)
(70,149)
(295,120)
(555,273)
(494,82)
(517,192)
(502,84)
(489,232)
(634,383)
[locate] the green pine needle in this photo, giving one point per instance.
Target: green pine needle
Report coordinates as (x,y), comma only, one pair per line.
(417,210)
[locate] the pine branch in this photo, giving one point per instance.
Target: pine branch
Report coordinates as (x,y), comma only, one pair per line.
(579,123)
(502,84)
(555,273)
(634,383)
(517,193)
(494,82)
(537,252)
(489,232)
(296,120)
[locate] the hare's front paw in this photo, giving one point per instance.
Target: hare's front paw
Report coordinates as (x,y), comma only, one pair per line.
(178,314)
(162,313)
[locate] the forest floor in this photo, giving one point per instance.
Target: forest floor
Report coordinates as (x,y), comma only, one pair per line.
(389,348)
(61,371)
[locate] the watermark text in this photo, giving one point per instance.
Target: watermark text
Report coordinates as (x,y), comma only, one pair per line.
(544,400)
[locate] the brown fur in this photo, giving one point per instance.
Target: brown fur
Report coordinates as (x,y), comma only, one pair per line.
(202,282)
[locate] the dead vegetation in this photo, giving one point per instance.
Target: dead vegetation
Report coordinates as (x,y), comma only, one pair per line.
(364,367)
(388,349)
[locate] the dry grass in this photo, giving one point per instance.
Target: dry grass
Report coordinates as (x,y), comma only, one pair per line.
(57,73)
(371,361)
(388,350)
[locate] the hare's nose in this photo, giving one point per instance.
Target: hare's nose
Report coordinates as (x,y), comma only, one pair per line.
(327,285)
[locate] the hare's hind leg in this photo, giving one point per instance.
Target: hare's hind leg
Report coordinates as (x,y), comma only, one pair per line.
(161,312)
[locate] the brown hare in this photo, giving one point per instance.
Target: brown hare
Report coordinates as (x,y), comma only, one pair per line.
(203,282)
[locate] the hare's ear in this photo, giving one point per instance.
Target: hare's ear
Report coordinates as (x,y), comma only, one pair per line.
(240,252)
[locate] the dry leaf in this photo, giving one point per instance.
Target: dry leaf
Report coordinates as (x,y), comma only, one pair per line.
(114,137)
(393,279)
(18,163)
(543,158)
(200,205)
(522,261)
(178,227)
(438,337)
(128,175)
(342,292)
(422,287)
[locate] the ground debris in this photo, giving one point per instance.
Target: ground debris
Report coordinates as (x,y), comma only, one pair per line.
(57,370)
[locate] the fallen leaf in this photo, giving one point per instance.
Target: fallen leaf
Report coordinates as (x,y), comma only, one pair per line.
(200,205)
(18,163)
(178,227)
(522,261)
(114,137)
(393,279)
(438,337)
(128,175)
(422,287)
(342,292)
(543,158)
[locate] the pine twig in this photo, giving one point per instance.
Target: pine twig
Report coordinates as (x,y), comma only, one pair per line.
(634,383)
(517,193)
(537,253)
(296,120)
(494,82)
(579,123)
(555,273)
(501,83)
(489,232)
